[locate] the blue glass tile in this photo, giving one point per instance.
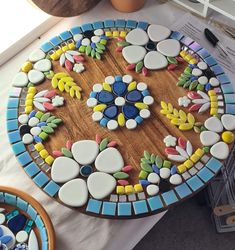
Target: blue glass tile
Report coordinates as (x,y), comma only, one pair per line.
(139,119)
(15,92)
(103,122)
(32,169)
(140,207)
(223,79)
(86,26)
(205,174)
(51,188)
(45,245)
(203,53)
(12,114)
(118,78)
(43,234)
(155,203)
(2,197)
(39,223)
(194,183)
(214,165)
(65,35)
(131,24)
(93,206)
(32,212)
(12,125)
(183,190)
(124,208)
(41,179)
(187,40)
(109,208)
(195,46)
(227,88)
(24,158)
(46,47)
(76,30)
(169,197)
(229,98)
(176,35)
(98,25)
(55,41)
(217,69)
(10,199)
(109,23)
(13,103)
(210,60)
(23,205)
(142,25)
(18,148)
(230,109)
(14,136)
(120,23)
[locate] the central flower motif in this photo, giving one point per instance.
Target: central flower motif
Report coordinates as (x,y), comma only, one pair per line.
(120,101)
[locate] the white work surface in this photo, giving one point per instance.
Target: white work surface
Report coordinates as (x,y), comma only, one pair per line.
(75,230)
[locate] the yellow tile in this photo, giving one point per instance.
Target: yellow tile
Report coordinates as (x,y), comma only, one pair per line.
(64,48)
(120,190)
(115,33)
(129,189)
(194,158)
(29,102)
(39,146)
(211,93)
(188,58)
(193,61)
(49,160)
(138,188)
(108,33)
(183,53)
(28,109)
(214,104)
(71,46)
(122,33)
(32,90)
(181,168)
(199,152)
(29,96)
(59,52)
(213,98)
(188,164)
(214,111)
(44,153)
(54,56)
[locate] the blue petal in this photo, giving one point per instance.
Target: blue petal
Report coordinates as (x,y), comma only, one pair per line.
(1,232)
(6,239)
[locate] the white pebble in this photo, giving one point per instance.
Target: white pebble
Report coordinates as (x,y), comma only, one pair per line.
(91,102)
(203,80)
(112,125)
(202,65)
(22,236)
(196,72)
(33,121)
(141,86)
(214,81)
(152,189)
(77,37)
(97,116)
(99,32)
(23,119)
(144,113)
(86,42)
(95,39)
(2,218)
(165,173)
(127,79)
(131,124)
(153,178)
(120,101)
(148,100)
(35,130)
(27,138)
(110,80)
(175,179)
(97,87)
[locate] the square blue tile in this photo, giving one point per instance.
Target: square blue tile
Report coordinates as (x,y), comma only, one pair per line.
(140,207)
(32,212)
(76,30)
(124,209)
(12,125)
(205,174)
(45,245)
(12,114)
(109,23)
(109,208)
(227,88)
(46,47)
(22,204)
(176,35)
(223,79)
(210,60)
(230,109)
(15,92)
(195,183)
(131,24)
(41,179)
(118,78)
(51,188)
(183,190)
(187,40)
(10,199)
(155,203)
(32,169)
(55,41)
(13,103)
(43,234)
(98,25)
(203,53)
(120,23)
(214,165)
(39,223)
(229,98)
(217,69)
(2,197)
(65,35)
(86,26)
(169,197)
(142,25)
(18,148)
(24,158)
(94,206)
(195,46)
(14,136)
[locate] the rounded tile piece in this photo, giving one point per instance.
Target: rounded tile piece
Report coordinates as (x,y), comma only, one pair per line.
(131,124)
(228,121)
(175,179)
(220,150)
(22,236)
(214,82)
(202,65)
(137,37)
(27,138)
(169,47)
(153,178)
(214,124)
(141,86)
(112,125)
(36,55)
(127,79)
(209,138)
(77,37)
(97,116)
(196,72)
(97,87)
(158,32)
(110,80)
(20,79)
(6,231)
(119,101)
(148,100)
(134,53)
(155,60)
(203,80)
(2,218)
(145,113)
(35,130)
(91,102)
(33,121)
(95,39)
(23,119)
(35,76)
(152,189)
(86,41)
(165,173)
(98,32)
(43,65)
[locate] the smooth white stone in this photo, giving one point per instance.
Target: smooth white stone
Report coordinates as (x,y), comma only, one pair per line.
(77,37)
(42,99)
(112,125)
(33,121)
(177,158)
(214,124)
(41,93)
(189,148)
(85,151)
(120,101)
(203,95)
(73,53)
(202,65)
(148,100)
(2,218)
(23,119)
(36,55)
(27,138)
(86,41)
(153,178)
(110,80)
(134,53)
(42,65)
(33,242)
(22,236)
(199,101)
(98,32)
(100,185)
(74,193)
(97,116)
(152,189)
(91,102)
(158,32)
(35,76)
(155,60)
(220,150)
(165,173)
(137,37)
(145,113)
(20,79)
(109,161)
(39,106)
(203,80)
(141,86)
(131,124)
(95,39)
(209,138)
(64,169)
(204,107)
(175,179)
(196,72)
(35,130)
(228,121)
(97,87)
(214,82)
(127,79)
(169,47)
(7,231)
(69,57)
(181,151)
(62,59)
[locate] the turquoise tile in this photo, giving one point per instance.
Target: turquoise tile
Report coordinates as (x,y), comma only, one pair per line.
(210,60)
(109,23)
(229,98)
(55,41)
(223,79)
(109,208)
(194,183)
(98,25)
(22,204)
(120,23)
(76,30)
(195,46)
(217,69)
(14,136)
(18,148)
(15,92)
(43,234)
(38,221)
(230,109)
(187,40)
(214,165)
(45,245)
(203,53)
(32,212)
(51,188)
(10,199)
(183,190)
(124,209)
(155,203)
(86,27)
(2,197)
(140,207)
(131,24)
(32,169)
(93,206)
(227,88)
(41,179)
(142,25)
(12,125)
(169,197)
(46,47)
(24,158)
(13,103)
(65,35)
(176,35)
(205,174)
(12,114)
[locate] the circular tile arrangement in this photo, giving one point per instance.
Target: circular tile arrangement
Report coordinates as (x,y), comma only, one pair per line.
(124,166)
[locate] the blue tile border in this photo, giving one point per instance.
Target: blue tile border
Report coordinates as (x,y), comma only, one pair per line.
(93,206)
(169,197)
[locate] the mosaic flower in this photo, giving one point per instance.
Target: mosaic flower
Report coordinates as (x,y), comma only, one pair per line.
(120,101)
(70,59)
(58,101)
(5,239)
(78,67)
(21,246)
(170,140)
(184,101)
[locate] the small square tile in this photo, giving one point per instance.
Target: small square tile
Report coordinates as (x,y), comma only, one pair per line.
(214,165)
(109,23)
(86,27)
(217,69)
(227,88)
(120,23)
(12,125)
(186,40)
(39,223)
(205,158)
(32,212)
(22,204)
(32,169)
(41,179)
(230,109)
(141,196)
(131,24)
(51,188)
(142,25)
(186,175)
(98,25)
(195,183)
(18,148)
(223,79)
(169,197)
(203,53)
(46,47)
(205,174)
(176,35)
(199,165)
(122,198)
(124,209)
(94,206)
(65,35)
(210,60)
(24,158)
(192,171)
(195,46)
(109,208)
(12,114)
(155,203)
(15,92)
(113,198)
(131,197)
(140,207)
(229,98)
(183,190)
(10,199)
(55,41)
(76,30)
(13,103)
